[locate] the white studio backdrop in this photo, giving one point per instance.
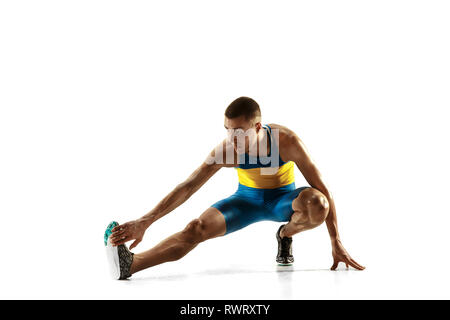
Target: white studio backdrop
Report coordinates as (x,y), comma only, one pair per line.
(105,106)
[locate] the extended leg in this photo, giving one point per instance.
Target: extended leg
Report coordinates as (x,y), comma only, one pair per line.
(310,210)
(209,225)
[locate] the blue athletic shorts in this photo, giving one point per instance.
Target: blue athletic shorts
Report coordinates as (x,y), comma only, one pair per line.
(248,205)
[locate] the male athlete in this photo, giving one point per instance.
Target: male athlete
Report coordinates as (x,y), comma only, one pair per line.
(264,156)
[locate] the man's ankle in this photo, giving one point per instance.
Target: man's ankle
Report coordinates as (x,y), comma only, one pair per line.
(133,267)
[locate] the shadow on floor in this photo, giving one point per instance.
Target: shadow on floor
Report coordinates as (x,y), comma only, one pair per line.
(233,271)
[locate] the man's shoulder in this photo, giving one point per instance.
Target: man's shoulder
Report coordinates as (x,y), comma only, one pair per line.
(285,134)
(287,140)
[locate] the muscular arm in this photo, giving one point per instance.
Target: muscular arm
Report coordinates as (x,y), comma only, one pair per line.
(134,230)
(296,151)
(181,193)
(187,188)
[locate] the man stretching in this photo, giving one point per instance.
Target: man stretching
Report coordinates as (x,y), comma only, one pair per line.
(263,156)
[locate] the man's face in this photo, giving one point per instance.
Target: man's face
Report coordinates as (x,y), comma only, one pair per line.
(241,133)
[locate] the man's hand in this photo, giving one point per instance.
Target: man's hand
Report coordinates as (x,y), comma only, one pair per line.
(340,255)
(133,230)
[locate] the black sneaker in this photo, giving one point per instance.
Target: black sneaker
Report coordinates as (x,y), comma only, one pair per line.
(119,257)
(284,256)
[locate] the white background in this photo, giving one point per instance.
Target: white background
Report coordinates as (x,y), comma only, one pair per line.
(105,106)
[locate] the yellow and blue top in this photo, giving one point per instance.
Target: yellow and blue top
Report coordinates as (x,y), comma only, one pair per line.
(250,172)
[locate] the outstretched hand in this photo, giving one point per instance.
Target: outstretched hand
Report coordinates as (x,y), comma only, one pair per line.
(340,255)
(133,230)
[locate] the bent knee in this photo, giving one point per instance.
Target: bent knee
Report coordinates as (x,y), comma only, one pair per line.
(320,210)
(312,203)
(194,232)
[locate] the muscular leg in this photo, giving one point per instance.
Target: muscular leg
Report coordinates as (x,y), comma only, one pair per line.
(209,225)
(310,210)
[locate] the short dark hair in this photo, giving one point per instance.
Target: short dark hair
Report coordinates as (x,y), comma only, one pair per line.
(243,106)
